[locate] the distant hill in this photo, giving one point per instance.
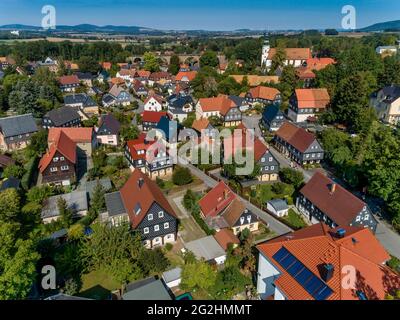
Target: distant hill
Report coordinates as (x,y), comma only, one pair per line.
(382,26)
(82,28)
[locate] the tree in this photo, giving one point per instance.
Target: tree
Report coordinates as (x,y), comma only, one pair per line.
(198,275)
(97,202)
(76,231)
(391,72)
(189,199)
(10,202)
(128,133)
(210,59)
(66,214)
(38,143)
(151,62)
(181,176)
(291,176)
(13,170)
(278,60)
(19,272)
(174,65)
(115,250)
(88,64)
(153,261)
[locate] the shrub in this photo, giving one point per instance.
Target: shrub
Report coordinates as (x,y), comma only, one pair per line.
(182,176)
(168,246)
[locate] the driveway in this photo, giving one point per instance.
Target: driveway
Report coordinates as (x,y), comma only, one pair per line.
(252,122)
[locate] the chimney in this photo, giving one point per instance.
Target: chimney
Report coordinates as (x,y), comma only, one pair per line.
(140,182)
(340,233)
(332,188)
(327,271)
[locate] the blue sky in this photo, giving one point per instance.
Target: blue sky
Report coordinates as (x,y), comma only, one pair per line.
(202,14)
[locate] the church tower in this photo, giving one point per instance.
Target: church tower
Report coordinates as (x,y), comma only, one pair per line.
(265,51)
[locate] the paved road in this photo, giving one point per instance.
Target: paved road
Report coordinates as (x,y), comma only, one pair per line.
(274,225)
(252,122)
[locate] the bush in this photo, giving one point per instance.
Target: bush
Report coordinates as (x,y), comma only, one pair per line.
(292,176)
(30,174)
(182,176)
(200,221)
(168,246)
(160,182)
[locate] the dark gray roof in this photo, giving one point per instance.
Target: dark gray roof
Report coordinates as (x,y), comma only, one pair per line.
(391,93)
(62,115)
(91,185)
(58,234)
(278,204)
(114,204)
(172,275)
(18,125)
(147,289)
(109,125)
(108,98)
(84,75)
(79,98)
(77,201)
(62,296)
(207,248)
(270,112)
(237,100)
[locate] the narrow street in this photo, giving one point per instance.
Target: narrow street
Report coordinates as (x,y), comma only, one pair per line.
(274,225)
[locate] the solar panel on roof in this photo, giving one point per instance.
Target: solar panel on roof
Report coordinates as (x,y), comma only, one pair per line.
(288,261)
(280,254)
(295,268)
(324,293)
(304,276)
(311,283)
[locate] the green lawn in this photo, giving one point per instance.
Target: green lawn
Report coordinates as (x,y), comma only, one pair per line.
(295,220)
(98,285)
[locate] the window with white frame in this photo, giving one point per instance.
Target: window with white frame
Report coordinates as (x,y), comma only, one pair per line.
(161,214)
(64,168)
(156,227)
(150,217)
(146,230)
(53,169)
(166,225)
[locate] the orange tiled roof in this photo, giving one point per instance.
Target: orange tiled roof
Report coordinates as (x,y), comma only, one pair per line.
(62,144)
(190,75)
(262,92)
(225,237)
(75,134)
(200,124)
(132,195)
(318,244)
(216,200)
(312,98)
(221,103)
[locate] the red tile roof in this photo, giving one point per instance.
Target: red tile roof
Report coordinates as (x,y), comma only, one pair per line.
(225,237)
(222,104)
(341,205)
(200,124)
(78,135)
(106,65)
(66,80)
(216,200)
(232,147)
(143,73)
(296,136)
(63,145)
(312,98)
(265,93)
(132,195)
(318,244)
(190,75)
(153,116)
